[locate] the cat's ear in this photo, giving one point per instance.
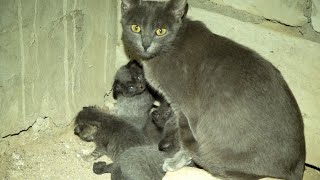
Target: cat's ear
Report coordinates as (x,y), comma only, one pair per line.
(178,8)
(128,4)
(133,64)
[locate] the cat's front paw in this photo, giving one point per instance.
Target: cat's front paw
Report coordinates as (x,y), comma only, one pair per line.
(99,167)
(178,161)
(102,167)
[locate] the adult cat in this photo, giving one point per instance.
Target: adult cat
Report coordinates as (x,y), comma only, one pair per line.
(244,121)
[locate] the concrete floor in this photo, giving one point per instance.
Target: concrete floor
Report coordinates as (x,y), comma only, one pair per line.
(56,153)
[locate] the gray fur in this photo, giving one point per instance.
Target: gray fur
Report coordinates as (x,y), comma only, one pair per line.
(244,121)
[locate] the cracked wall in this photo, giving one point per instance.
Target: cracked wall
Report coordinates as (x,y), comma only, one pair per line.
(55,57)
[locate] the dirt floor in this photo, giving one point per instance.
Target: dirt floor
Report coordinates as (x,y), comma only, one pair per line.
(56,153)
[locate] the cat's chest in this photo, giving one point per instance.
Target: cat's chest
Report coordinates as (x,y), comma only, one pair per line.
(171,79)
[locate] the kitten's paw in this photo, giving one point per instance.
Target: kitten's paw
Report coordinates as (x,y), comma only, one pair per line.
(99,167)
(102,167)
(88,158)
(165,145)
(178,161)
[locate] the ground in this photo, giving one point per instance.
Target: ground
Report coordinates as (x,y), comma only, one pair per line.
(56,153)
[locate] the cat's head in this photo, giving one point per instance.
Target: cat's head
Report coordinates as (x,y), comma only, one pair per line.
(86,131)
(87,123)
(129,81)
(150,27)
(162,114)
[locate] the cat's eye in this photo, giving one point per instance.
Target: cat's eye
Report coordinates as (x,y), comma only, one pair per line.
(135,28)
(161,31)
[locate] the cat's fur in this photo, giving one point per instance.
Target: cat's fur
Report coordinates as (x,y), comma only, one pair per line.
(244,121)
(134,99)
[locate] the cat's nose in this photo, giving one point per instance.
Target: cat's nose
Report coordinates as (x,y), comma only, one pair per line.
(146,46)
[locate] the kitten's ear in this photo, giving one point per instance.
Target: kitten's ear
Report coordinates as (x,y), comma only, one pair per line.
(179,8)
(128,4)
(133,64)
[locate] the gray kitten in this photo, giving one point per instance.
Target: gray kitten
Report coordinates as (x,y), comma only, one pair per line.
(111,134)
(145,162)
(134,100)
(238,118)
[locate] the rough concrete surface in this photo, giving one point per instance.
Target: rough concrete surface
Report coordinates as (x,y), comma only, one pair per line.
(51,53)
(315,15)
(290,12)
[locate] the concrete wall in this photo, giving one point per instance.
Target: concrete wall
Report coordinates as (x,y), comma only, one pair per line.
(55,57)
(293,13)
(315,15)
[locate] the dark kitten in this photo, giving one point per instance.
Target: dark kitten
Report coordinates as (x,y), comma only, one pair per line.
(111,134)
(134,100)
(238,118)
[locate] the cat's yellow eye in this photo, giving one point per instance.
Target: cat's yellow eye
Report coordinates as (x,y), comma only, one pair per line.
(135,28)
(161,31)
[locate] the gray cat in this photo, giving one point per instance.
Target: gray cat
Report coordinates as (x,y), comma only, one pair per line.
(238,118)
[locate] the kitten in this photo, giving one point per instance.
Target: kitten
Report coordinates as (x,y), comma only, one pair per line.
(144,162)
(238,118)
(134,99)
(111,134)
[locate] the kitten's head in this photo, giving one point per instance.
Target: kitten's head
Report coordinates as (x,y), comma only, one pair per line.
(161,114)
(86,131)
(150,27)
(87,123)
(129,81)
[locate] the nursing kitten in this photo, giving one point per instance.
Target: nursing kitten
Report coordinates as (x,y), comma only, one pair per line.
(110,133)
(238,118)
(154,127)
(134,99)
